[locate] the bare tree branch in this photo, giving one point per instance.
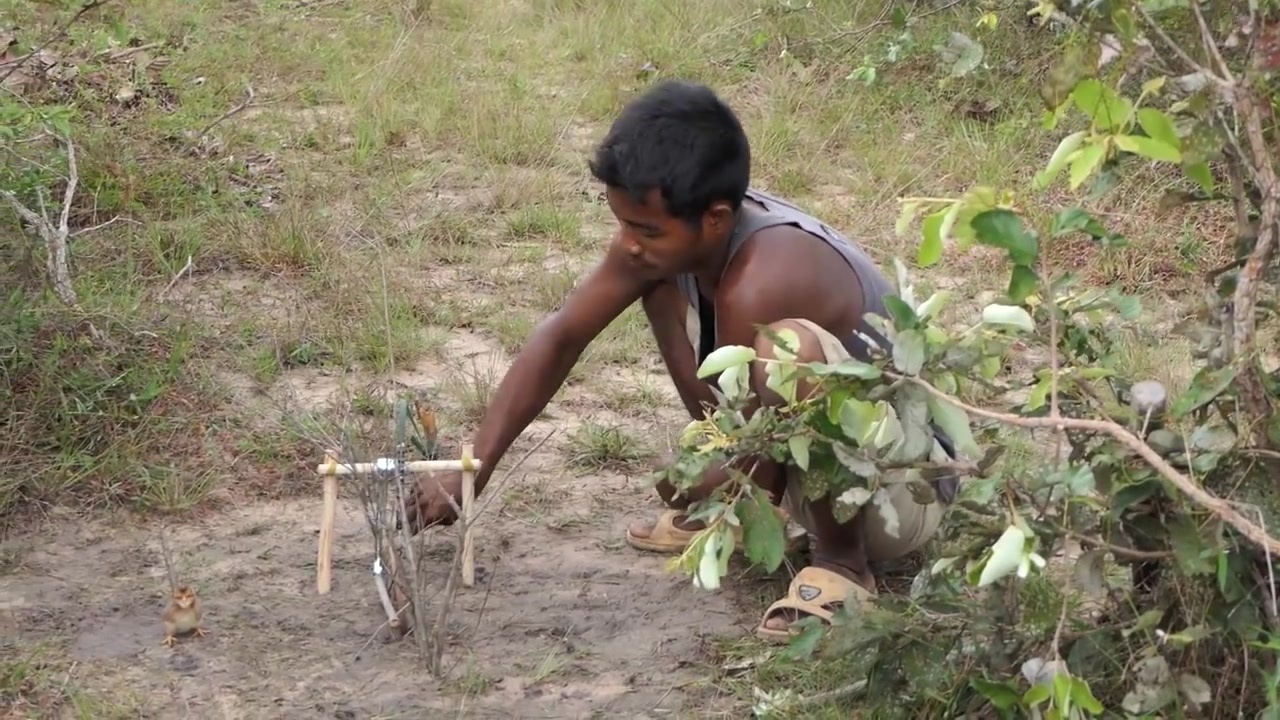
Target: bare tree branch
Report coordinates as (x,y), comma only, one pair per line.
(1202,497)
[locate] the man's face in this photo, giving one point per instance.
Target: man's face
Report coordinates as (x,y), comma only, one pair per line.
(660,245)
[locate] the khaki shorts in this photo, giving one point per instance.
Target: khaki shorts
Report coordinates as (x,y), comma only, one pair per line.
(916,523)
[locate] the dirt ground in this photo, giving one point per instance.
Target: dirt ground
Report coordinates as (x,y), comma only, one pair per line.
(566,621)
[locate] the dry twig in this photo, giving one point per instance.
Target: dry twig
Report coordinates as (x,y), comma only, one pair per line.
(62,30)
(1219,507)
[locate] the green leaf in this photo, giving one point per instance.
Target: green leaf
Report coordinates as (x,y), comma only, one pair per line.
(799,447)
(780,378)
(763,531)
(1023,282)
(1058,161)
(1082,695)
(898,18)
(1084,162)
(1004,229)
(735,381)
(909,352)
(723,358)
(1009,316)
(931,307)
(857,419)
(909,212)
(961,53)
(911,405)
(931,232)
(930,251)
(1148,147)
(1200,172)
(903,317)
(1002,696)
(707,573)
(1195,633)
(1206,386)
(1075,219)
(849,368)
(804,643)
(786,343)
(1039,394)
(1006,555)
(1105,108)
(1037,694)
(1189,548)
(1129,306)
(1159,127)
(955,423)
(855,462)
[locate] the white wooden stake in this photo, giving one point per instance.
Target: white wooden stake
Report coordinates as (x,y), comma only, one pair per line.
(324,556)
(468,514)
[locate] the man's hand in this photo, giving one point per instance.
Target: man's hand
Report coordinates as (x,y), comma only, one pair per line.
(428,502)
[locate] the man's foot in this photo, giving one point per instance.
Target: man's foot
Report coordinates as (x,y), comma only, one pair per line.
(815,591)
(672,532)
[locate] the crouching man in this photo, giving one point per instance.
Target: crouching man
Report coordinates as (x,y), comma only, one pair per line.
(711,261)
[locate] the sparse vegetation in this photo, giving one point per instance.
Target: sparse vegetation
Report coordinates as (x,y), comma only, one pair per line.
(252,177)
(600,447)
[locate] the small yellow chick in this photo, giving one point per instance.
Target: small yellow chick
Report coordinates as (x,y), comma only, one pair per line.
(183,616)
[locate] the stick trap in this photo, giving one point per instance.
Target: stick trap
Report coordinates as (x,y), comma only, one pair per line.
(331,468)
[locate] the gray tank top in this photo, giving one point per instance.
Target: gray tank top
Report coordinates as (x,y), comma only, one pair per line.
(875,286)
(772,212)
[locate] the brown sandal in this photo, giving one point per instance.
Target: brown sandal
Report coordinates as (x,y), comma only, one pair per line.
(669,539)
(817,592)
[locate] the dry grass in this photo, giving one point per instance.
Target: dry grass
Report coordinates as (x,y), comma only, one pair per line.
(443,146)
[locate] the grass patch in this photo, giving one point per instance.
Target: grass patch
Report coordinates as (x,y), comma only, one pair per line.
(34,685)
(598,447)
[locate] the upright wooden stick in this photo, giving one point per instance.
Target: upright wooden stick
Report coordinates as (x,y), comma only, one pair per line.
(324,558)
(468,514)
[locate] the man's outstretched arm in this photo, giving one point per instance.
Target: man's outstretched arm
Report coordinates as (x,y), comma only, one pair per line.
(537,373)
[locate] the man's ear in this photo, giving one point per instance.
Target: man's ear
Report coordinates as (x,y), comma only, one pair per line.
(718,218)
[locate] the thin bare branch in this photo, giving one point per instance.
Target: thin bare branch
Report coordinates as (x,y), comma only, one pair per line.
(1190,62)
(62,30)
(1199,495)
(1210,44)
(248,102)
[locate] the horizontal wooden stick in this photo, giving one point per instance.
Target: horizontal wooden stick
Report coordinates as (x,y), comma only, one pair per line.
(419,466)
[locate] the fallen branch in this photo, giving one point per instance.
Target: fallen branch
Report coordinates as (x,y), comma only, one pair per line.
(226,115)
(187,270)
(1202,497)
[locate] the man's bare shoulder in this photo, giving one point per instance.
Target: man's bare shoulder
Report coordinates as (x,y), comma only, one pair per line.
(783,253)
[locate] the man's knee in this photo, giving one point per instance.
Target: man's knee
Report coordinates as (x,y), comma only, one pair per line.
(912,526)
(804,340)
(804,344)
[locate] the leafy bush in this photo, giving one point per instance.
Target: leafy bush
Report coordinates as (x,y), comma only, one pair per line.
(1170,607)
